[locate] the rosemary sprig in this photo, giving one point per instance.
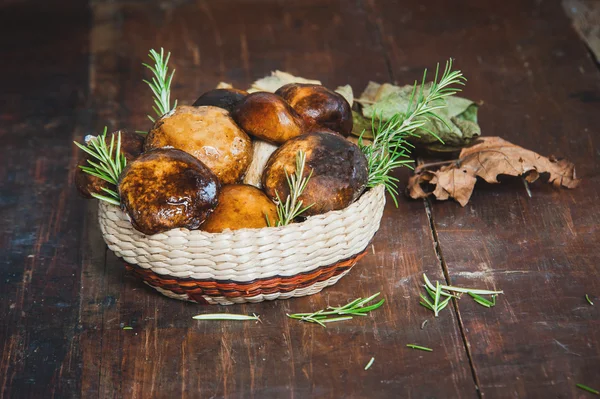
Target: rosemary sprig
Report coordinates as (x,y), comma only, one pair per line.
(292,207)
(587,298)
(160,83)
(460,289)
(225,316)
(357,307)
(586,388)
(370,363)
(436,304)
(389,149)
(107,164)
(421,348)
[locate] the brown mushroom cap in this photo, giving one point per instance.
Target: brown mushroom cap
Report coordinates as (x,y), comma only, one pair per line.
(319,106)
(222,98)
(167,188)
(241,207)
(209,134)
(268,117)
(132,145)
(339,171)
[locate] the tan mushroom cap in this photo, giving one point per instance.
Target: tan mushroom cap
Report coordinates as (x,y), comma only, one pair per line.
(209,134)
(241,207)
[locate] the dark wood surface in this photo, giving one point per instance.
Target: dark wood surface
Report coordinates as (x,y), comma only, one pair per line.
(71,67)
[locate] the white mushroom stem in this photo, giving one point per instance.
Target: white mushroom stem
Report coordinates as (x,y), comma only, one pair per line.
(262,152)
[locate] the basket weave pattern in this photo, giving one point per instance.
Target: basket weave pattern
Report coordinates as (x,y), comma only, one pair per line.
(303,256)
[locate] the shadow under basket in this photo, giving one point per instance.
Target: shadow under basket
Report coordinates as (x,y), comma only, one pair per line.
(247,265)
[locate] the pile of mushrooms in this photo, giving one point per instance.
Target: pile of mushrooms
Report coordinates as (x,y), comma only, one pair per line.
(221,163)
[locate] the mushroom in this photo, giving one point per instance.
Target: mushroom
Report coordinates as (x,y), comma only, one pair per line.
(319,106)
(209,134)
(222,98)
(132,145)
(260,157)
(339,171)
(241,207)
(268,117)
(167,188)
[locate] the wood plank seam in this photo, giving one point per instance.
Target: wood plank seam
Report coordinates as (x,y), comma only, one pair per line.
(438,251)
(428,211)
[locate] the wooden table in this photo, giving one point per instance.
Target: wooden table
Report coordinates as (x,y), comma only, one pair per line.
(71,67)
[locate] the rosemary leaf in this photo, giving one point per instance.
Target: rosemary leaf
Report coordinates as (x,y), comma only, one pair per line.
(482,301)
(587,298)
(443,304)
(106,199)
(586,388)
(225,316)
(422,348)
(334,319)
(430,286)
(436,303)
(370,363)
(470,290)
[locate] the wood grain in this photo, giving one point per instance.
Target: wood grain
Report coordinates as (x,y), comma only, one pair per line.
(74,67)
(44,87)
(540,91)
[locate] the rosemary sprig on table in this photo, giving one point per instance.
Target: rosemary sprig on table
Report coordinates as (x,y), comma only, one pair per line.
(107,164)
(482,301)
(292,207)
(160,83)
(587,298)
(225,316)
(357,307)
(586,388)
(437,304)
(370,363)
(421,348)
(389,148)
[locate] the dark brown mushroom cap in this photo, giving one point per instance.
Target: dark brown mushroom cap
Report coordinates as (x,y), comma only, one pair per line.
(132,145)
(241,206)
(268,117)
(319,106)
(339,171)
(209,134)
(167,188)
(222,98)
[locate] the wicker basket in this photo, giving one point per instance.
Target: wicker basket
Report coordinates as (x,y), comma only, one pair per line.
(247,265)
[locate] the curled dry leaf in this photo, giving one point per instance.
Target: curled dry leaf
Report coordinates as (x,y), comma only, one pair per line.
(277,79)
(488,158)
(347,93)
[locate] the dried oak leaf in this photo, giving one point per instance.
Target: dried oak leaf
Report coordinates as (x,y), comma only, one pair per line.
(488,158)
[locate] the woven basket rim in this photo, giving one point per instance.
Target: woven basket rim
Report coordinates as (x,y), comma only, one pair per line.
(296,226)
